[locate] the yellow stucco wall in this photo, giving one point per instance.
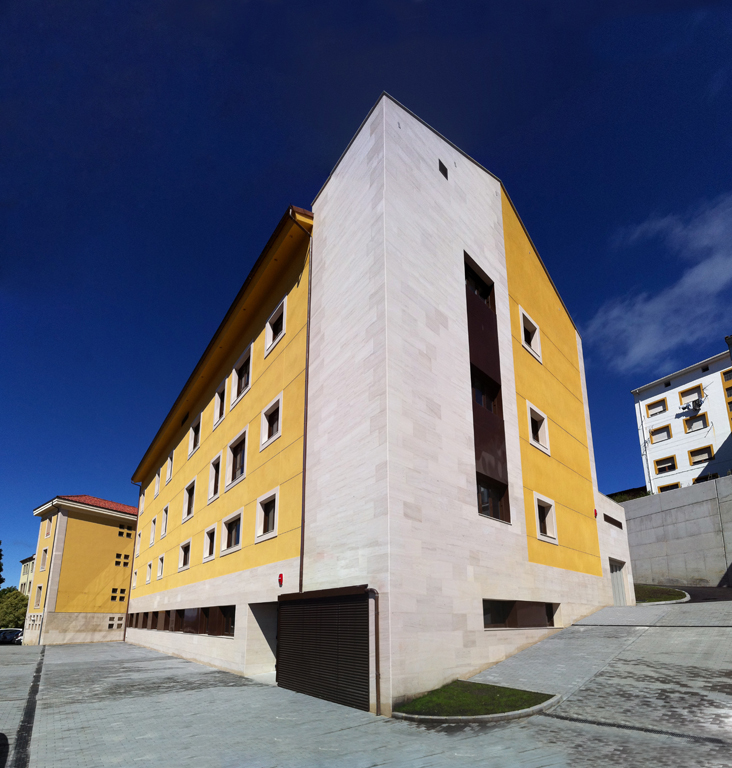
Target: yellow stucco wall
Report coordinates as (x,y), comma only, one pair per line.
(554,386)
(88,571)
(40,577)
(279,465)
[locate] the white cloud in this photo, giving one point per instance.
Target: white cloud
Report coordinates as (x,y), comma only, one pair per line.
(645,330)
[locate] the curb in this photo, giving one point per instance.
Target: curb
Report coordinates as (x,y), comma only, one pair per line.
(497,718)
(667,602)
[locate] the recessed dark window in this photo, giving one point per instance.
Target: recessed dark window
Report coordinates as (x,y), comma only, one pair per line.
(486,392)
(443,168)
(705,368)
(480,287)
(273,422)
(544,513)
(268,516)
(493,499)
(237,456)
(233,528)
(195,435)
(516,614)
(242,376)
(277,326)
(613,521)
(216,472)
(666,383)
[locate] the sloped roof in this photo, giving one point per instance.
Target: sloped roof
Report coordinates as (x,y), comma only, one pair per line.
(94,501)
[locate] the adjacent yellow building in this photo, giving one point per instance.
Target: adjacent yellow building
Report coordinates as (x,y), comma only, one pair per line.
(81,581)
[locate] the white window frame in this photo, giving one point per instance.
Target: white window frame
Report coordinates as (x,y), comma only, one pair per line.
(44,558)
(219,399)
(551,536)
(206,557)
(138,543)
(39,595)
(530,407)
(153,526)
(267,441)
(247,353)
(164,522)
(48,528)
(148,573)
(157,483)
(269,341)
(141,504)
(191,449)
(161,566)
(258,535)
(211,495)
(240,514)
(535,347)
(169,468)
(229,483)
(182,567)
(186,492)
(134,579)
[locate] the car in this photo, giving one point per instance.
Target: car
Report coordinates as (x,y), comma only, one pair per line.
(18,639)
(8,636)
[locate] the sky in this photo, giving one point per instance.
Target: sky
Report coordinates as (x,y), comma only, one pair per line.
(148,149)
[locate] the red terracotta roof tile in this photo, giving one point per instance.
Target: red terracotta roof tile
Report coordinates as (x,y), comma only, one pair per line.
(93,501)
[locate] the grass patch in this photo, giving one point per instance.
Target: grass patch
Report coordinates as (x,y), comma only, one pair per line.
(645,593)
(462,698)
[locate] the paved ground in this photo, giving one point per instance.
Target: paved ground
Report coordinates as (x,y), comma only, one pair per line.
(647,686)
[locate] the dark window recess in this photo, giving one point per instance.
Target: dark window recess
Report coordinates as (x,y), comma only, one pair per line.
(268,516)
(277,325)
(229,615)
(144,620)
(216,471)
(480,287)
(705,368)
(486,392)
(166,621)
(154,620)
(273,422)
(233,528)
(544,511)
(196,429)
(613,521)
(216,620)
(242,377)
(237,454)
(493,499)
(442,167)
(536,430)
(517,614)
(666,383)
(190,621)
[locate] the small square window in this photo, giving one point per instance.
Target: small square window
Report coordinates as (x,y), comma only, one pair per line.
(530,335)
(209,544)
(121,531)
(169,469)
(114,596)
(271,427)
(275,328)
(231,533)
(538,428)
(126,561)
(701,455)
(118,559)
(241,376)
(122,595)
(164,523)
(129,531)
(236,464)
(267,509)
(161,563)
(219,404)
(189,499)
(152,530)
(157,483)
(184,558)
(546,527)
(656,408)
(149,573)
(194,436)
(665,465)
(214,478)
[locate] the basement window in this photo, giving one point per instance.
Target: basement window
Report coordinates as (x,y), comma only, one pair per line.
(530,335)
(613,521)
(517,614)
(275,328)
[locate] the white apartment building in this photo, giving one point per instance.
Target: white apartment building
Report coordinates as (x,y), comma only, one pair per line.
(684,425)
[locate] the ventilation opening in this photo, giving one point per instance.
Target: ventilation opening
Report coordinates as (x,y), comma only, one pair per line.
(443,168)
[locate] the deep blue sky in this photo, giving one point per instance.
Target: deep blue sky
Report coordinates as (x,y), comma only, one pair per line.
(148,149)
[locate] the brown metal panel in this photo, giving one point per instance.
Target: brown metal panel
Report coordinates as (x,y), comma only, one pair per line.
(323,648)
(483,336)
(490,444)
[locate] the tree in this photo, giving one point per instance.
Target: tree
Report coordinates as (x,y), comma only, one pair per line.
(13,605)
(2,578)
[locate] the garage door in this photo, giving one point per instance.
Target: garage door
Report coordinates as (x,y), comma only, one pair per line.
(323,647)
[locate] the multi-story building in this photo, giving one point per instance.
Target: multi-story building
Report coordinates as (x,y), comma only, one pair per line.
(81,581)
(26,574)
(380,475)
(684,422)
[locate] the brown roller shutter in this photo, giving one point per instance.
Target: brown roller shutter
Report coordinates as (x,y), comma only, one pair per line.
(323,648)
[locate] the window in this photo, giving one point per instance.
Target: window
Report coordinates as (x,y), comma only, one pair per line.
(530,335)
(267,516)
(613,521)
(125,530)
(149,573)
(476,284)
(134,579)
(214,477)
(706,478)
(229,614)
(275,328)
(37,604)
(241,376)
(219,404)
(705,368)
(122,595)
(236,463)
(44,557)
(665,465)
(690,395)
(442,168)
(157,483)
(164,523)
(209,544)
(696,423)
(137,544)
(161,563)
(701,455)
(114,596)
(669,487)
(271,422)
(142,503)
(517,614)
(486,392)
(189,498)
(48,527)
(660,434)
(169,469)
(123,560)
(194,436)
(152,530)
(184,556)
(231,533)
(546,524)
(538,428)
(492,499)
(656,407)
